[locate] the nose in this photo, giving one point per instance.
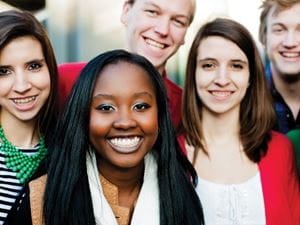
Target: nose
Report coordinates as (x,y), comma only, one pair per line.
(21,83)
(222,77)
(291,38)
(125,120)
(162,26)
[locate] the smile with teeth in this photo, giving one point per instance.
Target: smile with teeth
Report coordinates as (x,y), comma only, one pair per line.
(221,93)
(125,144)
(155,44)
(21,101)
(290,54)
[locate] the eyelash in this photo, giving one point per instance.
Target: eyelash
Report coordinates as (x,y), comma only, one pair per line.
(108,108)
(141,106)
(35,66)
(4,71)
(151,12)
(237,66)
(105,108)
(208,66)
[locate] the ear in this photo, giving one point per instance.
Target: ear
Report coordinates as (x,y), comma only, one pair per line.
(125,11)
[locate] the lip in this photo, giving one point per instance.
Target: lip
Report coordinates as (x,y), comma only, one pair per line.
(155,44)
(125,144)
(24,103)
(221,94)
(290,55)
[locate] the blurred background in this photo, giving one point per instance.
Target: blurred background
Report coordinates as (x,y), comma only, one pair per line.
(81,29)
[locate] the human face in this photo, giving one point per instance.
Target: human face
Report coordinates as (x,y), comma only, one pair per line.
(156,28)
(283,40)
(123,118)
(221,76)
(24,79)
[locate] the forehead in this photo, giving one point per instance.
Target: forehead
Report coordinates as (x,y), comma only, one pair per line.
(285,15)
(178,7)
(24,44)
(124,77)
(213,48)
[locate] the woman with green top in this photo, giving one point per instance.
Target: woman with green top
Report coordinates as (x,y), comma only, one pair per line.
(28,87)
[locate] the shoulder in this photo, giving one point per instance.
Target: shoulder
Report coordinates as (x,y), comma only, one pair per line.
(280,149)
(171,86)
(71,68)
(279,141)
(36,195)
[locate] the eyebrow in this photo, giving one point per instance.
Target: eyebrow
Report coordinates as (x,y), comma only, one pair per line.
(138,94)
(144,93)
(232,60)
(26,63)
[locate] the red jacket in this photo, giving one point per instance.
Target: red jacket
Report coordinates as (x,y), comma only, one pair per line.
(69,72)
(280,184)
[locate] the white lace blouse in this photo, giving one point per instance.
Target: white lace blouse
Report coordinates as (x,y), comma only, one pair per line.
(233,204)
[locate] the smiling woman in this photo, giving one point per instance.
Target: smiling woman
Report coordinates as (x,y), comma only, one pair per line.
(27,106)
(115,155)
(227,121)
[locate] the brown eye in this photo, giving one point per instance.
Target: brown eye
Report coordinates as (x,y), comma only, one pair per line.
(4,71)
(105,108)
(35,66)
(141,106)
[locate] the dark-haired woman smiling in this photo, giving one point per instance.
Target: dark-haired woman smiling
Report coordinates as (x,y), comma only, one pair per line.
(115,158)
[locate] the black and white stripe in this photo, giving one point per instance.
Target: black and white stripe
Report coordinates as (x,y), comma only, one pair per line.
(10,187)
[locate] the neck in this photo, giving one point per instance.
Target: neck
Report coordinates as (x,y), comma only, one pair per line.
(161,70)
(222,127)
(20,133)
(127,180)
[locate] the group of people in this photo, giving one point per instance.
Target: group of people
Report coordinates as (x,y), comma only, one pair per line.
(115,142)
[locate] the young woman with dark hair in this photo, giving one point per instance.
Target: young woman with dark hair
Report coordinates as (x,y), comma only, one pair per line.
(246,171)
(28,105)
(115,156)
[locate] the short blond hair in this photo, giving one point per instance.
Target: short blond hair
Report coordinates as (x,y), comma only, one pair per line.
(266,7)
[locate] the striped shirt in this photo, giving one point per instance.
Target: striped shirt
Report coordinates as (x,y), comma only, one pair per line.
(10,186)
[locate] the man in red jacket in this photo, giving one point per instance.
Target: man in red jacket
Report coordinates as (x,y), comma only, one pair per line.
(155,29)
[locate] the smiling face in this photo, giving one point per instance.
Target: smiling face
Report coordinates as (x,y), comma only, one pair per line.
(24,79)
(123,118)
(221,76)
(283,40)
(156,28)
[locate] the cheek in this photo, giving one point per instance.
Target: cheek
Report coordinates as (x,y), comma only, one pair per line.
(5,86)
(97,125)
(42,81)
(178,35)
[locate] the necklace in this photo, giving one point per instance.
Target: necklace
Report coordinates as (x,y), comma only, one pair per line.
(17,161)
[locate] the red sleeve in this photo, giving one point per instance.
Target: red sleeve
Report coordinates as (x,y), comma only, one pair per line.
(280,182)
(67,76)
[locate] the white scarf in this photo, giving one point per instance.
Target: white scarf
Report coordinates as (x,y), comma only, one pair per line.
(146,210)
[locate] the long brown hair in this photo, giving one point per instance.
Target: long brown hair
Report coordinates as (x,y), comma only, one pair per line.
(256,112)
(17,23)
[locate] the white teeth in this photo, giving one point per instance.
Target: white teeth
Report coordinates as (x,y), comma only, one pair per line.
(221,93)
(24,100)
(125,142)
(155,44)
(291,54)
